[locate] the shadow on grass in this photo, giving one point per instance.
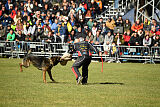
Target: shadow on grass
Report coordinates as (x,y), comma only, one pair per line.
(106,83)
(102,83)
(56,82)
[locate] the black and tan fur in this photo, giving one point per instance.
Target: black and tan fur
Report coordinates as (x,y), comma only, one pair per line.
(42,63)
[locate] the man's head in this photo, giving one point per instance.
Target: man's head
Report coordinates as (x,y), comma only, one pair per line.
(138,21)
(109,33)
(101,19)
(11,31)
(56,21)
(79,29)
(20,32)
(59,24)
(97,33)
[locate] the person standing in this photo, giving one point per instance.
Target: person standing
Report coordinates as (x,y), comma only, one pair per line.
(84,49)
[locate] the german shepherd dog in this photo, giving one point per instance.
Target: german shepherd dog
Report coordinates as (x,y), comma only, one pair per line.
(43,63)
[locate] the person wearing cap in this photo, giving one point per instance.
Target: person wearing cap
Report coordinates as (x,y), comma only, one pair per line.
(84,49)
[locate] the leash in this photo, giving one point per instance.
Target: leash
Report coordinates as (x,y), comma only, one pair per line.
(102,64)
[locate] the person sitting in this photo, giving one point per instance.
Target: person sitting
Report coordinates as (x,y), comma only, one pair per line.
(54,25)
(113,50)
(14,12)
(28,33)
(80,16)
(90,37)
(2,32)
(155,24)
(81,8)
(134,40)
(127,37)
(20,36)
(153,32)
(156,41)
(79,33)
(17,17)
(19,26)
(127,25)
(141,36)
(119,21)
(137,26)
(108,42)
(146,25)
(71,37)
(60,31)
(94,8)
(98,40)
(94,30)
(110,23)
(90,23)
(147,41)
(29,6)
(65,11)
(11,35)
(119,40)
(46,30)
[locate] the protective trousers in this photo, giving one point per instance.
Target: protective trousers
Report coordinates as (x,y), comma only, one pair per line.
(83,61)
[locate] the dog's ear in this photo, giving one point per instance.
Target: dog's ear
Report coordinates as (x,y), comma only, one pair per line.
(29,51)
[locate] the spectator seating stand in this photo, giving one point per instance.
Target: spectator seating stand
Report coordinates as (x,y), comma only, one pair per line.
(124,53)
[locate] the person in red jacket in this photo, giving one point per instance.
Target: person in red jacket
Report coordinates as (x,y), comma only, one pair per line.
(14,12)
(127,37)
(137,26)
(84,5)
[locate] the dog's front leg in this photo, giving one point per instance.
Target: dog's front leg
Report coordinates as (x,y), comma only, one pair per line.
(44,76)
(50,75)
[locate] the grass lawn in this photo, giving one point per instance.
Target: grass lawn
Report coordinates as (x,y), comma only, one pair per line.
(120,85)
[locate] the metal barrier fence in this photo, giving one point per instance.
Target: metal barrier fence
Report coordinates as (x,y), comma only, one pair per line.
(140,53)
(155,52)
(111,53)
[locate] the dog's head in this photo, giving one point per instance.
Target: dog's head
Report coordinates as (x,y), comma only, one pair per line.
(65,58)
(26,59)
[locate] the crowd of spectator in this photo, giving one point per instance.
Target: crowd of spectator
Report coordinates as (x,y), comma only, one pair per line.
(37,21)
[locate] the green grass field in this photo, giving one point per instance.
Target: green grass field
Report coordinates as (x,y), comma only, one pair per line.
(120,85)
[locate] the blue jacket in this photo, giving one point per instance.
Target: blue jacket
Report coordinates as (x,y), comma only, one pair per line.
(54,25)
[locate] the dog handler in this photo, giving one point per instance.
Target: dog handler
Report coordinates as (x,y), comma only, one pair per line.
(84,49)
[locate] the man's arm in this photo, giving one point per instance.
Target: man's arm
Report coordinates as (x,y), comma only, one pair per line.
(13,37)
(93,48)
